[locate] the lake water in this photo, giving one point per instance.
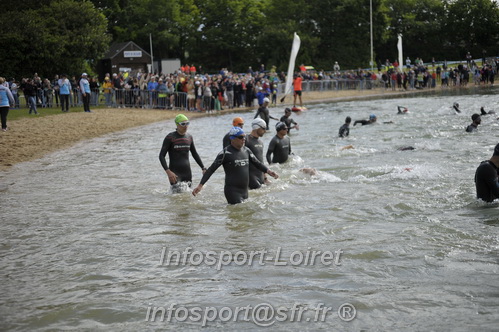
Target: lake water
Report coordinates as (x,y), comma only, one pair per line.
(410,248)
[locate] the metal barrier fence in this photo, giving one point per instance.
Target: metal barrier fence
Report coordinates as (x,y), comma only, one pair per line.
(135,98)
(336,84)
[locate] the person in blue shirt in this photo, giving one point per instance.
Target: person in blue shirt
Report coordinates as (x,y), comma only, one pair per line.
(64,92)
(85,92)
(6,99)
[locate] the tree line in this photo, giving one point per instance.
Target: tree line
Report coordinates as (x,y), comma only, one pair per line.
(70,36)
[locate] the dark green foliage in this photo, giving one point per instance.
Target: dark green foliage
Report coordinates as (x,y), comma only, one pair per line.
(55,36)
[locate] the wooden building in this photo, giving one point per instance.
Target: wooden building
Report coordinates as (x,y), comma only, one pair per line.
(124,57)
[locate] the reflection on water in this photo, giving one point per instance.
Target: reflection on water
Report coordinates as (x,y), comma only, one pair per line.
(83,229)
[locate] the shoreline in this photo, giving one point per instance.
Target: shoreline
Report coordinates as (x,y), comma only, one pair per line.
(32,138)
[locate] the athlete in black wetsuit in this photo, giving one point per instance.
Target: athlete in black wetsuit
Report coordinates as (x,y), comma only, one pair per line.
(372,119)
(476,121)
(263,112)
(255,144)
(486,178)
(235,159)
(178,144)
(345,130)
(483,112)
(279,146)
(402,110)
(286,118)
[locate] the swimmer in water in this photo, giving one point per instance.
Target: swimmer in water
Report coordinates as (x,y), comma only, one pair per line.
(264,113)
(236,122)
(286,118)
(483,112)
(476,121)
(235,159)
(280,146)
(178,144)
(456,107)
(255,144)
(345,129)
(486,178)
(402,110)
(372,119)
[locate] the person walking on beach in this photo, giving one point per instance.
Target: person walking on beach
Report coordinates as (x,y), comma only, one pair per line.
(345,129)
(236,122)
(264,113)
(235,159)
(474,126)
(255,144)
(280,146)
(6,100)
(178,144)
(486,178)
(85,92)
(64,92)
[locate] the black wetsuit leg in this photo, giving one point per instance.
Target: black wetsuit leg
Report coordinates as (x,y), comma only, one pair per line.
(235,195)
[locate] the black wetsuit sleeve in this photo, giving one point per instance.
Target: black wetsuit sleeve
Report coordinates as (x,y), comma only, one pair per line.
(257,113)
(216,164)
(363,122)
(254,160)
(195,155)
(164,150)
(270,149)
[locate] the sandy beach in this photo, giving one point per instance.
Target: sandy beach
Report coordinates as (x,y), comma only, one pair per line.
(31,138)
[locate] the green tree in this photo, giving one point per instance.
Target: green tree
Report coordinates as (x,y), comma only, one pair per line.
(226,33)
(421,24)
(63,36)
(472,26)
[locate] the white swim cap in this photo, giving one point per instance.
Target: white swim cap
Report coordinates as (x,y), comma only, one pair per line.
(258,123)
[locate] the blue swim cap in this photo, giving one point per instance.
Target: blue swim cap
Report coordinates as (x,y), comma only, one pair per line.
(235,131)
(372,116)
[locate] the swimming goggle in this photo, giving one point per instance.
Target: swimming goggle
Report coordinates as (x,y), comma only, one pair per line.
(184,123)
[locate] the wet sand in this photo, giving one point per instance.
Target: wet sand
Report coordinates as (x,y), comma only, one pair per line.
(31,138)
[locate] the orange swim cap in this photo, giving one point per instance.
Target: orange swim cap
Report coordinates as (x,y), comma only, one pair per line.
(236,122)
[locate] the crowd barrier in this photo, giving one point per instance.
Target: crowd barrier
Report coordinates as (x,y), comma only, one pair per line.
(180,100)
